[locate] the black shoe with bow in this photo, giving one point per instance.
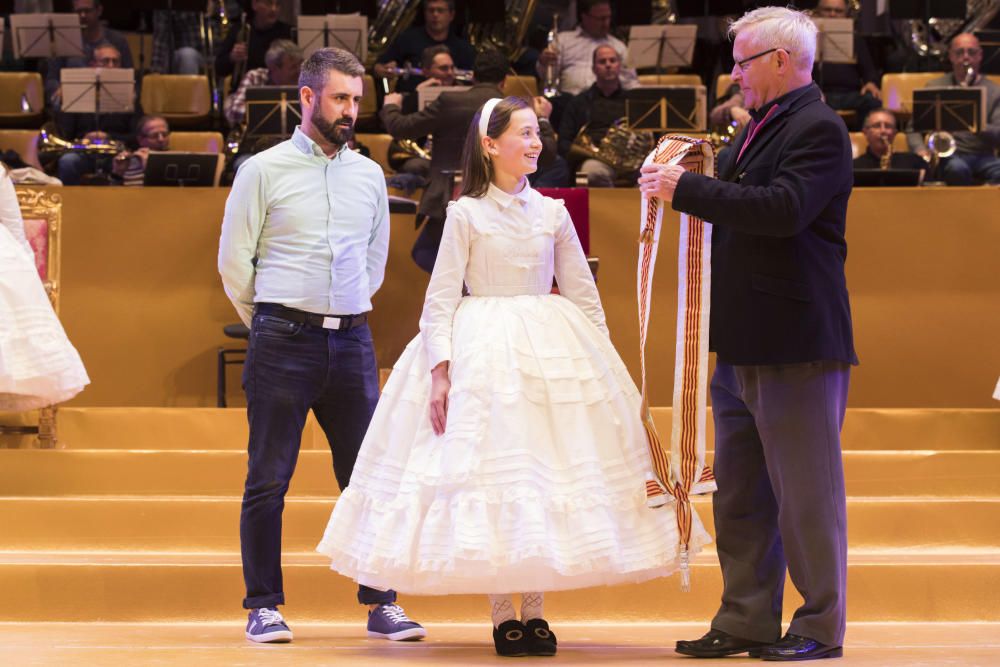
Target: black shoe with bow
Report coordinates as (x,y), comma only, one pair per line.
(718,644)
(795,647)
(511,639)
(541,640)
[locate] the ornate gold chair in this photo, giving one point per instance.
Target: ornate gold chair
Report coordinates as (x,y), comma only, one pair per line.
(42,213)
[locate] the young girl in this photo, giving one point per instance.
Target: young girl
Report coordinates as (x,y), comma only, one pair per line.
(528,473)
(38,365)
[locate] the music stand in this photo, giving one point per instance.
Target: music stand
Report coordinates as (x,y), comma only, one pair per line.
(666,108)
(661,46)
(948,109)
(989,40)
(272,112)
(886,178)
(97,90)
(428,94)
(346,32)
(179,169)
(322,7)
(47,35)
(835,41)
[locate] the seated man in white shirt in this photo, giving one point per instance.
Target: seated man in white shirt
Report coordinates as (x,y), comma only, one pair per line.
(576,49)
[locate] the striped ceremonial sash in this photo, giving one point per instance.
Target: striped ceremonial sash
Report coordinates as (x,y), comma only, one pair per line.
(681,472)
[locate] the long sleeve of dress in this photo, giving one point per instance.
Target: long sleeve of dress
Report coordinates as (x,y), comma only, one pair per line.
(445,289)
(573,275)
(10,213)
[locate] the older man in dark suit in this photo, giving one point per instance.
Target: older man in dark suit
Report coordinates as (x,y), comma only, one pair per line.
(781,329)
(447,120)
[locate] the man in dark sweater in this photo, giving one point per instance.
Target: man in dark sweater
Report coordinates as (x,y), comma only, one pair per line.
(596,109)
(408,48)
(848,86)
(880,131)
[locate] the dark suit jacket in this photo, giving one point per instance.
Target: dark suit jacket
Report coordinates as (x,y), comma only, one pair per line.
(447,120)
(779,294)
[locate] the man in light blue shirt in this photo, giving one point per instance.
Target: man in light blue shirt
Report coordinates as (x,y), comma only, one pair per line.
(303,249)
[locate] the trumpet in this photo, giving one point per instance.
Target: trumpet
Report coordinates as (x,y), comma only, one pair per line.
(405,72)
(550,86)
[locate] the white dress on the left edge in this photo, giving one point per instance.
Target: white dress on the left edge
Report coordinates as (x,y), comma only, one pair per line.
(538,482)
(38,365)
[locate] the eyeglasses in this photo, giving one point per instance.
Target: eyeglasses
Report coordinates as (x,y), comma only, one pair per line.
(881,125)
(972,52)
(157,135)
(742,64)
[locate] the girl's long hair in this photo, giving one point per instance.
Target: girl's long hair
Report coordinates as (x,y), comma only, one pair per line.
(477,169)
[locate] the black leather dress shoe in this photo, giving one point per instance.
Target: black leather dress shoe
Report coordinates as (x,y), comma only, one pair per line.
(541,640)
(510,639)
(719,644)
(794,647)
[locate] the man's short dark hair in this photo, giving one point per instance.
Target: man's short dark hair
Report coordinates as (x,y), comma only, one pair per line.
(593,56)
(450,3)
(140,125)
(428,55)
(491,67)
(584,6)
(317,66)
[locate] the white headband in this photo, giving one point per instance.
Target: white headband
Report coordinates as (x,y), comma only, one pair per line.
(485,114)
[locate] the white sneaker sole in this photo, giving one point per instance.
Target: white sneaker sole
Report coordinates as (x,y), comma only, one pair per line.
(275,637)
(402,635)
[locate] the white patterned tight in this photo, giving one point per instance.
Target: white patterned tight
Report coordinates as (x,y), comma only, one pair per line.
(502,607)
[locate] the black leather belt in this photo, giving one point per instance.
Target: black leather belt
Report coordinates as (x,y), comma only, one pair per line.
(335,322)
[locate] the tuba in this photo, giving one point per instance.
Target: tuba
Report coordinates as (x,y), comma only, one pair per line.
(52,147)
(391,19)
(621,148)
(932,38)
(506,36)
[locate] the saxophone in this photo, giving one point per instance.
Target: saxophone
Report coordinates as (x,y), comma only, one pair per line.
(885,161)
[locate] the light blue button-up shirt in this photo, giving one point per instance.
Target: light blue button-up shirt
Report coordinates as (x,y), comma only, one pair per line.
(305,231)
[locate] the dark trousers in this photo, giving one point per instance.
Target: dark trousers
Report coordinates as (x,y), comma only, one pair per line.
(781,500)
(290,369)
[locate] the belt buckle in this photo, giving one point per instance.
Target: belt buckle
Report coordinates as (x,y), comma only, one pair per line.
(332,323)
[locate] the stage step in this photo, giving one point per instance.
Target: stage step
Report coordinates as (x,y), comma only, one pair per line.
(35,472)
(171,587)
(210,523)
(641,644)
(220,428)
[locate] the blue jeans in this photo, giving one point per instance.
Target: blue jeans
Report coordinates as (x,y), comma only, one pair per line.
(965,168)
(290,369)
(72,167)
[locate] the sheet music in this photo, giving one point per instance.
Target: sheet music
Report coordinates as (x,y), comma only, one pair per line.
(661,46)
(428,94)
(46,35)
(835,40)
(345,31)
(86,88)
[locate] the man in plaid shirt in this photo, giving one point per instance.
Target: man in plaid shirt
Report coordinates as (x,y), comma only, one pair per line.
(283,59)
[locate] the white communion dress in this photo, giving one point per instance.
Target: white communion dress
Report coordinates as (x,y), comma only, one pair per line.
(538,482)
(38,365)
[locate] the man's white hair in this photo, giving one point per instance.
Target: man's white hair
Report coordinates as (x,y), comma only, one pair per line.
(780,28)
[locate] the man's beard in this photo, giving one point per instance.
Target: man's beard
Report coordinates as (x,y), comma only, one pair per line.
(338,133)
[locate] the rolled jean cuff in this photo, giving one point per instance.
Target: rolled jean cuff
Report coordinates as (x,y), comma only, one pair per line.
(368,595)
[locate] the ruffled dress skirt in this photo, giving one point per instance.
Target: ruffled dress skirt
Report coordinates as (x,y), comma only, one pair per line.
(38,365)
(538,482)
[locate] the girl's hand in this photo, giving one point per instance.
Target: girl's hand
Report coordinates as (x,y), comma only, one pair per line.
(440,386)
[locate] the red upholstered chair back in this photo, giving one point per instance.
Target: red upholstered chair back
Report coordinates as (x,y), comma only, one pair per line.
(578,204)
(37,231)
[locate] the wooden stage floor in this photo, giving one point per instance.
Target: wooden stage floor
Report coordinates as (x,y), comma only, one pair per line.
(93,644)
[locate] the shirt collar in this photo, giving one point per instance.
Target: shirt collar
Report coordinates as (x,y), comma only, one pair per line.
(785,100)
(307,146)
(505,199)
